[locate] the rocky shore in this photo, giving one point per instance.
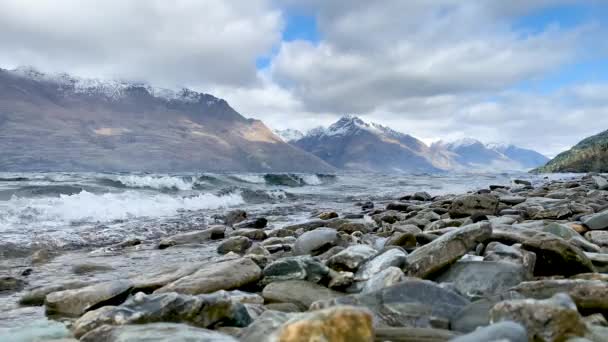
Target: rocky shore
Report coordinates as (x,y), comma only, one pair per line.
(507,263)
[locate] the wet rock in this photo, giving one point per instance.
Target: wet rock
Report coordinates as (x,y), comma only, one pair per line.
(75,302)
(512,200)
(600,182)
(41,256)
(339,324)
(235,216)
(392,257)
(597,221)
(405,240)
(299,292)
(476,279)
(11,284)
(448,248)
(503,331)
(223,275)
(251,233)
(199,236)
(159,332)
(477,313)
(421,196)
(555,256)
(85,268)
(599,260)
(570,235)
(35,297)
(598,237)
(149,282)
(305,226)
(496,251)
(367,205)
(295,268)
(552,319)
(589,295)
(351,258)
(468,205)
(351,227)
(412,302)
(316,241)
(327,215)
(268,322)
(201,311)
(236,244)
(397,206)
(522,182)
(385,278)
(257,223)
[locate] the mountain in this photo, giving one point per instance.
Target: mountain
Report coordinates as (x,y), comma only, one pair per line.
(289,134)
(527,158)
(64,123)
(352,144)
(589,155)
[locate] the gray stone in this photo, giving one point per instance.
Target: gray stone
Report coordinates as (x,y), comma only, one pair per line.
(299,292)
(251,233)
(597,221)
(76,302)
(599,260)
(448,248)
(315,241)
(157,332)
(468,205)
(512,200)
(598,237)
(385,278)
(85,268)
(264,326)
(405,240)
(600,182)
(477,313)
(551,319)
(392,257)
(589,295)
(407,334)
(475,279)
(236,244)
(36,296)
(496,251)
(351,258)
(223,275)
(11,284)
(295,268)
(199,236)
(503,331)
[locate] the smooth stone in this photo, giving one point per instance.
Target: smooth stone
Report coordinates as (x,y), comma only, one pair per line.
(392,257)
(597,221)
(327,215)
(397,206)
(412,302)
(475,279)
(569,234)
(503,331)
(351,258)
(157,332)
(200,311)
(211,233)
(389,276)
(556,256)
(512,200)
(223,275)
(76,302)
(436,255)
(598,237)
(299,292)
(35,297)
(295,268)
(11,284)
(90,268)
(340,280)
(496,251)
(468,205)
(589,295)
(283,307)
(149,282)
(340,323)
(257,223)
(263,327)
(405,240)
(406,334)
(236,244)
(599,260)
(477,313)
(315,241)
(600,182)
(550,319)
(251,233)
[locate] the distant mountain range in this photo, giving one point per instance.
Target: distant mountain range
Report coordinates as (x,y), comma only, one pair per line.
(64,123)
(589,155)
(353,144)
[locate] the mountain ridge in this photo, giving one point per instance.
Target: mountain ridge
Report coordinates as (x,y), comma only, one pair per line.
(589,155)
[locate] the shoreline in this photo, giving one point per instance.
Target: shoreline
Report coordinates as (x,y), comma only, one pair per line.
(446,264)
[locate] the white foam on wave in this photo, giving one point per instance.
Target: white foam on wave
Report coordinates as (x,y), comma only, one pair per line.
(255,179)
(89,207)
(311,180)
(155,182)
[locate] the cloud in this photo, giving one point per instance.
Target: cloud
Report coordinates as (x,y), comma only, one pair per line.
(169,43)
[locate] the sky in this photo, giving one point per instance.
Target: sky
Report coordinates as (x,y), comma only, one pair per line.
(532,73)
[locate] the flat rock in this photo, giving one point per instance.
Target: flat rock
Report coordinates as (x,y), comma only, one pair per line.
(199,236)
(36,296)
(597,221)
(589,295)
(468,205)
(475,279)
(299,292)
(412,302)
(387,277)
(434,256)
(236,244)
(339,324)
(223,275)
(503,331)
(201,311)
(260,330)
(157,332)
(551,319)
(76,302)
(512,200)
(315,241)
(11,284)
(477,313)
(600,182)
(598,237)
(351,258)
(392,257)
(295,268)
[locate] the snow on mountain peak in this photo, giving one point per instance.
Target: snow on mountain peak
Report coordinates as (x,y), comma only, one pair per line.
(111,89)
(289,134)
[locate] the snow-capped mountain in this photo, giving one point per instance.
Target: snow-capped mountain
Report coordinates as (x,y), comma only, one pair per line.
(64,123)
(288,135)
(352,143)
